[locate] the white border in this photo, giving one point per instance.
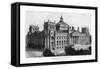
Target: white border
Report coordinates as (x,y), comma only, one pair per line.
(23,58)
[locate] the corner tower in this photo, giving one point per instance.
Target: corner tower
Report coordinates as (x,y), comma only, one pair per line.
(49,30)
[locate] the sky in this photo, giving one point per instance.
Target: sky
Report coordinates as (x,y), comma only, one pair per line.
(73,19)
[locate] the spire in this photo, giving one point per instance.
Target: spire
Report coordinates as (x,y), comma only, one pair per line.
(78,29)
(61,19)
(72,28)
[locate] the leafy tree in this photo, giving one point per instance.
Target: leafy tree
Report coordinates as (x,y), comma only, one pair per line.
(47,52)
(72,51)
(69,51)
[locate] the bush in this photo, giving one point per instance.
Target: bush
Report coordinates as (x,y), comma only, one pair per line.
(69,51)
(47,52)
(72,51)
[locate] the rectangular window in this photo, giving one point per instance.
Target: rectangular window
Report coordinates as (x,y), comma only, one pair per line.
(52,43)
(57,42)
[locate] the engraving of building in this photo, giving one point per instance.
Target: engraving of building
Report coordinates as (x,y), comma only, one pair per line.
(57,35)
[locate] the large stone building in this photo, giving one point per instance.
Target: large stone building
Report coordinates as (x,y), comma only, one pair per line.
(35,38)
(57,36)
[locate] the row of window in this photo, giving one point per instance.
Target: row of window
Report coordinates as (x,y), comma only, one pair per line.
(58,47)
(79,37)
(61,42)
(62,37)
(75,40)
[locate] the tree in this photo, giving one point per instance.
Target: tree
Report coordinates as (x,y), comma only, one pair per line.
(70,51)
(47,52)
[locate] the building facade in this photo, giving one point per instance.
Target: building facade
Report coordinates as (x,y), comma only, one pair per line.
(57,36)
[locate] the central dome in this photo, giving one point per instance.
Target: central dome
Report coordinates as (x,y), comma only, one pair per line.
(61,25)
